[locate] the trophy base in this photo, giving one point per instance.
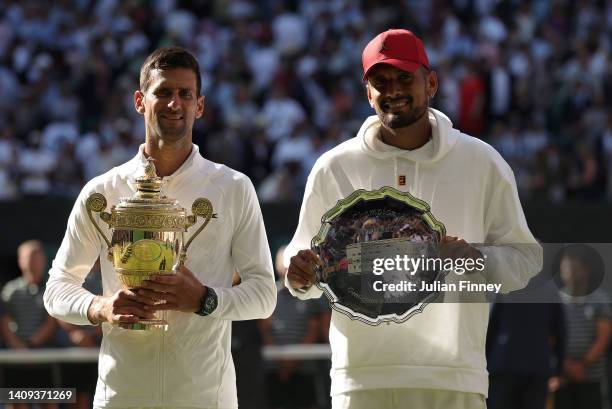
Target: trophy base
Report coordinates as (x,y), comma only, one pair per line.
(145,325)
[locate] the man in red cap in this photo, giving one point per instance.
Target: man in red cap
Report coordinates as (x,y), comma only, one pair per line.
(434,358)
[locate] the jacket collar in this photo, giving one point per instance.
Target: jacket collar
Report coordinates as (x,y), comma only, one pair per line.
(135,167)
(444,137)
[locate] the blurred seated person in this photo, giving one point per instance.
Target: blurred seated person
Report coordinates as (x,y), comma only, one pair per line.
(25,323)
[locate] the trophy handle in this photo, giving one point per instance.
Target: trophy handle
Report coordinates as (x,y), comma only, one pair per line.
(96,202)
(203,208)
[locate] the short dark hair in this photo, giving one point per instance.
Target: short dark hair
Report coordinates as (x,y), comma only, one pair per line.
(167,58)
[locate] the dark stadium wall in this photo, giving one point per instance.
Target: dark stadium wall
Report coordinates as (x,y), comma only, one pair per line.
(44,218)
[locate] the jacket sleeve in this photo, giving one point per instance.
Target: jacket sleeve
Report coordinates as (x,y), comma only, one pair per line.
(513,256)
(64,297)
(255,296)
(309,223)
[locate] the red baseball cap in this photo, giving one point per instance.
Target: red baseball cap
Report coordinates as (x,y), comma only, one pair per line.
(397,47)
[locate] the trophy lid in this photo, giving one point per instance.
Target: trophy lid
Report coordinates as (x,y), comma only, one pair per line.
(149,193)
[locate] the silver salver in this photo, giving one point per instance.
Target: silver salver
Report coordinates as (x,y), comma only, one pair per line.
(376,225)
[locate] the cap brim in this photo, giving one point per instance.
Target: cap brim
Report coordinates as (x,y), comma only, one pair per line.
(403,65)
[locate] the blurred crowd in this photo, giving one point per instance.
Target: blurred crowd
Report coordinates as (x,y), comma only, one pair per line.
(282,80)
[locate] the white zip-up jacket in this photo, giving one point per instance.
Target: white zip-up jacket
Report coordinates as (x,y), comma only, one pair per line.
(470,189)
(190,365)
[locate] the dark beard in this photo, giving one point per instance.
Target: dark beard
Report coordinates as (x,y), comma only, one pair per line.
(402,120)
(172,134)
(394,121)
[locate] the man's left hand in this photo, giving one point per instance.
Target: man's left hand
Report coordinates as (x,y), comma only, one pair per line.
(454,247)
(179,292)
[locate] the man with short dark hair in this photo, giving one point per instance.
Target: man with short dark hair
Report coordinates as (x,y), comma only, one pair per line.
(190,365)
(435,359)
(23,301)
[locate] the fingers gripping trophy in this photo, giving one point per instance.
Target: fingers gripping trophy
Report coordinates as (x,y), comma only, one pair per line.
(147,234)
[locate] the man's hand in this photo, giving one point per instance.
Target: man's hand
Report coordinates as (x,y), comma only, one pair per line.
(179,292)
(81,338)
(554,384)
(124,307)
(301,271)
(454,247)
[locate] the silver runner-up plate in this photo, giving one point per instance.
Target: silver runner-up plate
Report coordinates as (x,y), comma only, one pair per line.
(366,243)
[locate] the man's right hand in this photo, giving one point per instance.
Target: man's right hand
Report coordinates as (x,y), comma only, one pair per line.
(301,270)
(125,306)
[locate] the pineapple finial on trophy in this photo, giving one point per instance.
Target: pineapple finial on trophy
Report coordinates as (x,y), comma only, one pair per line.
(150,172)
(149,185)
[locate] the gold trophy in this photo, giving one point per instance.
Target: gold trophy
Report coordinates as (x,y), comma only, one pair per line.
(147,234)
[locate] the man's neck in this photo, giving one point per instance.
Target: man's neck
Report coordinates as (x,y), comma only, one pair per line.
(168,157)
(408,138)
(29,277)
(578,290)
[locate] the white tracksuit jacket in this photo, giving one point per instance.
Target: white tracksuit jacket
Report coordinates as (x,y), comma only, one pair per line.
(190,365)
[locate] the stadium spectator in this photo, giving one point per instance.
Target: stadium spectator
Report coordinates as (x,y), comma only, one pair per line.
(25,323)
(583,383)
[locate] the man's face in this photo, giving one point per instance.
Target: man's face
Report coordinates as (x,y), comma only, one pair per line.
(32,262)
(170,105)
(574,272)
(400,98)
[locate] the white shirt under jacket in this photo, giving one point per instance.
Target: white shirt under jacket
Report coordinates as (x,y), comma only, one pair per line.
(190,365)
(470,189)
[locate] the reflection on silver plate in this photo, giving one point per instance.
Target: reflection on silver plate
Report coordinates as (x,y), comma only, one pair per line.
(370,225)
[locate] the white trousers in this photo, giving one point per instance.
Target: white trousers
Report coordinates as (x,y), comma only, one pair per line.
(408,398)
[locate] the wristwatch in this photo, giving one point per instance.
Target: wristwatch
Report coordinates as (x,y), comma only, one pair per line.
(208,303)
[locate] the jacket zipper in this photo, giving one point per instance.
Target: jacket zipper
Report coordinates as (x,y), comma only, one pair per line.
(162,355)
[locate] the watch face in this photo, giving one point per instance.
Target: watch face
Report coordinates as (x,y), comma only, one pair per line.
(210,304)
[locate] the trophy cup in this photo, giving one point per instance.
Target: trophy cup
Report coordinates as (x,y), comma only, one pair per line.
(147,235)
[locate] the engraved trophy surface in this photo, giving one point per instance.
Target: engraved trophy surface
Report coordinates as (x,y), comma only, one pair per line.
(147,234)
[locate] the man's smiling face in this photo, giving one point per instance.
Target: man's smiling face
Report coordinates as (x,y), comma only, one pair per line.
(400,98)
(171,104)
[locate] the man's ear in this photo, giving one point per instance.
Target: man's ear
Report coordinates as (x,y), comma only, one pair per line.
(369,94)
(200,107)
(139,102)
(432,83)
